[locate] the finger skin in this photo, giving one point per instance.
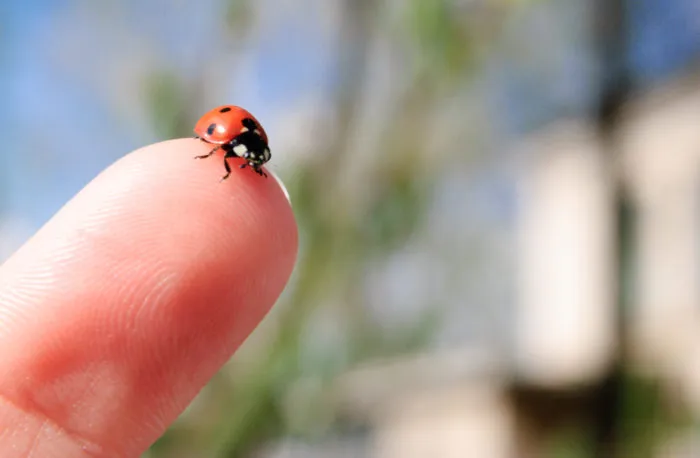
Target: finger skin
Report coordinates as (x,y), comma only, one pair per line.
(117,312)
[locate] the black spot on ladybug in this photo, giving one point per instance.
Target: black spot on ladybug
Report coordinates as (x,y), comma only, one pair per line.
(249,124)
(225,110)
(211,128)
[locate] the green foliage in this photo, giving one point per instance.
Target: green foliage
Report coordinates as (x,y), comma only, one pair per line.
(239,18)
(438,37)
(166,100)
(570,443)
(648,417)
(394,216)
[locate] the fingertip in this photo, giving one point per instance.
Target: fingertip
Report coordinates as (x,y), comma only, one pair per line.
(139,289)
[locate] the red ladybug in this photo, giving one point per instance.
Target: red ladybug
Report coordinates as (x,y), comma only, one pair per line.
(238,133)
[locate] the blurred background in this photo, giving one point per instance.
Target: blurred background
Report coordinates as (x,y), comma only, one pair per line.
(499,204)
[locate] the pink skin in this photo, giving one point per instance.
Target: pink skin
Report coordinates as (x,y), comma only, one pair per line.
(118,311)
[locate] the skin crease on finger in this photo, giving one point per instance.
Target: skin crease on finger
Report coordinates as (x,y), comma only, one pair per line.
(117,312)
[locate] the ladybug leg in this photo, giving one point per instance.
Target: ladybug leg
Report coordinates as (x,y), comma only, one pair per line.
(228,169)
(229,154)
(216,148)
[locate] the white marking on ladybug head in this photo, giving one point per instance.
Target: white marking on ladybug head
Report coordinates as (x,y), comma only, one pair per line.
(244,129)
(266,155)
(240,150)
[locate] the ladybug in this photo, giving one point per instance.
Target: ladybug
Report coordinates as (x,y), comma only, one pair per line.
(238,134)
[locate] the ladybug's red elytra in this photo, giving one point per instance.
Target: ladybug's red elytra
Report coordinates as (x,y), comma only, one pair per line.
(236,132)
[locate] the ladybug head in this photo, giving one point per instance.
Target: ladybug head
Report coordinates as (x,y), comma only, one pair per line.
(255,150)
(257,157)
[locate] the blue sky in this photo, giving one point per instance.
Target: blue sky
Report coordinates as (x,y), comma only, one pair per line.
(665,36)
(64,134)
